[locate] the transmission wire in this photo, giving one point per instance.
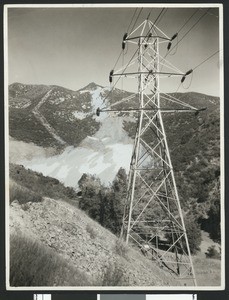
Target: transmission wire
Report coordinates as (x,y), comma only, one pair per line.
(206,59)
(132,19)
(185,34)
(133,54)
(126,31)
(136,19)
(190,29)
(162,15)
(188,20)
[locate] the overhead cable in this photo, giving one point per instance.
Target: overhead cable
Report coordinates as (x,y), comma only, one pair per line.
(188,20)
(126,31)
(132,19)
(162,15)
(136,19)
(201,17)
(206,60)
(134,52)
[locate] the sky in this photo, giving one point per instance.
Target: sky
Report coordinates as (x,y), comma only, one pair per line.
(72,47)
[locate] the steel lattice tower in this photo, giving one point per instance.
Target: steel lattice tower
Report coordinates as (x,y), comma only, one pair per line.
(153,218)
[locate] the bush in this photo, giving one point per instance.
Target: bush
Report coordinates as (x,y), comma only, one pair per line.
(121,249)
(212,253)
(33,264)
(43,185)
(193,233)
(23,195)
(91,231)
(114,276)
(105,205)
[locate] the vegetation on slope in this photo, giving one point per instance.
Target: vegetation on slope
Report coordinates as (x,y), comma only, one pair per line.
(81,242)
(106,206)
(34,183)
(194,143)
(58,110)
(34,264)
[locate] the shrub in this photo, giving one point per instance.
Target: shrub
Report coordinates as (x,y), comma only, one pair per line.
(104,204)
(193,233)
(33,264)
(121,248)
(212,253)
(43,185)
(23,195)
(114,276)
(91,231)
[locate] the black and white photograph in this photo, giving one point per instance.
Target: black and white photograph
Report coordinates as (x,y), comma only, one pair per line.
(114,144)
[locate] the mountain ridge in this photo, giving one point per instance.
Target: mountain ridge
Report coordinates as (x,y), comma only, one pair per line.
(99,146)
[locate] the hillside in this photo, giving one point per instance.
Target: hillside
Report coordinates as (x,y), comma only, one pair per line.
(57,232)
(65,120)
(52,115)
(56,137)
(84,244)
(60,118)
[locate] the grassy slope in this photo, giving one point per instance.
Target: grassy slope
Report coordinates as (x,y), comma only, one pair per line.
(38,184)
(84,244)
(207,271)
(66,233)
(64,236)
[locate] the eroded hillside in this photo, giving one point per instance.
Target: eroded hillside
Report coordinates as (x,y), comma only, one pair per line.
(84,244)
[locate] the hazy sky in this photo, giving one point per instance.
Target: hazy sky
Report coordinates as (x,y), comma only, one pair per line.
(72,47)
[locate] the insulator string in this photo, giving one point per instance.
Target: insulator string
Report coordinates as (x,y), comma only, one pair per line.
(194,25)
(186,32)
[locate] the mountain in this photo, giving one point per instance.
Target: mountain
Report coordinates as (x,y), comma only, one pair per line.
(82,142)
(52,116)
(56,132)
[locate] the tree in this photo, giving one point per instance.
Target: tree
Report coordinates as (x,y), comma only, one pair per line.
(104,204)
(193,233)
(90,187)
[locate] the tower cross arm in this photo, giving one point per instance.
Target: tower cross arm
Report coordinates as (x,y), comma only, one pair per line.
(151,72)
(163,110)
(147,36)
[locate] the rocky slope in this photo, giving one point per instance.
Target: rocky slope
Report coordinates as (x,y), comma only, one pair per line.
(56,132)
(83,243)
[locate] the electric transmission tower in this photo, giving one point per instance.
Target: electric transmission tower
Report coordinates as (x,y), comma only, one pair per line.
(153,218)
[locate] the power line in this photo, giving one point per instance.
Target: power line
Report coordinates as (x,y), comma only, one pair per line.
(201,17)
(188,20)
(117,59)
(189,30)
(135,11)
(132,19)
(134,53)
(162,15)
(137,19)
(142,42)
(211,14)
(206,60)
